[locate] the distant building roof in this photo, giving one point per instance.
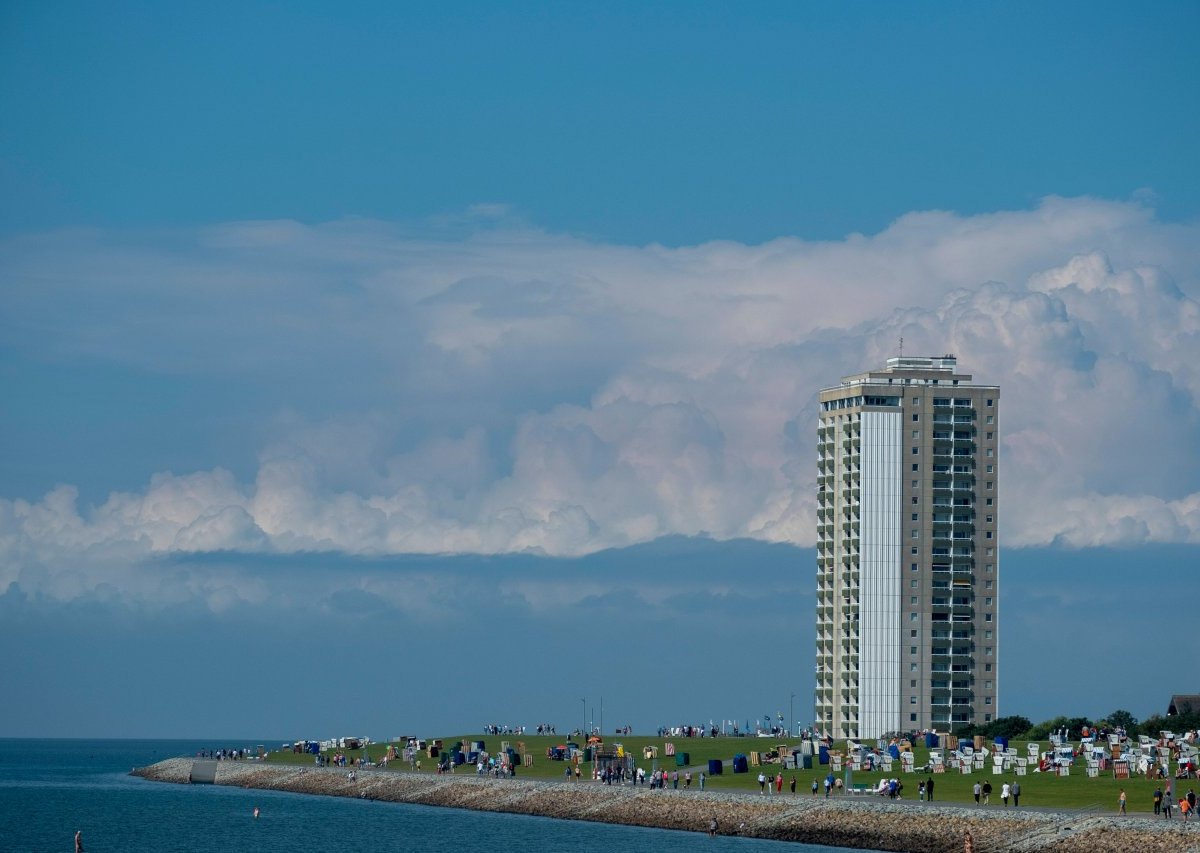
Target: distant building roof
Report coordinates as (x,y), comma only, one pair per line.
(1184,703)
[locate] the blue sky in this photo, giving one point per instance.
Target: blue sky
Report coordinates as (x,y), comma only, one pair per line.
(397,338)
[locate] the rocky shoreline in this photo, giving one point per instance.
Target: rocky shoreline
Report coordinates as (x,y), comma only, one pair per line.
(841,822)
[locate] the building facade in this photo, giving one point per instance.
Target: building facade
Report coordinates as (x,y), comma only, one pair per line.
(908,555)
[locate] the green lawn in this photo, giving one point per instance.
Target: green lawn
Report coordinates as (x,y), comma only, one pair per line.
(1037,789)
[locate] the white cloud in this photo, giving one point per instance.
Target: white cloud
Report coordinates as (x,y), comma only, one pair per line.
(514,390)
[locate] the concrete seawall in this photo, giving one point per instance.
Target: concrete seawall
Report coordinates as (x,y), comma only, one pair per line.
(841,822)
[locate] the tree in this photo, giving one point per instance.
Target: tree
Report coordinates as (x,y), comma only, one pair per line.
(1009,727)
(1122,719)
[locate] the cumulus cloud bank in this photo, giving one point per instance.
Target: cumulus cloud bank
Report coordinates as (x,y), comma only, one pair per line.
(508,390)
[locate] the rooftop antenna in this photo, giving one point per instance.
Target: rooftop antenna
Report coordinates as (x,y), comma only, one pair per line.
(902,346)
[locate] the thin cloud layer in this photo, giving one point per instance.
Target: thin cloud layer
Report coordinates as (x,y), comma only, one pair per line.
(516,391)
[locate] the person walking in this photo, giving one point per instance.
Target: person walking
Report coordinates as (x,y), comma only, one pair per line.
(929,790)
(1121,799)
(987,793)
(1005,791)
(814,787)
(1191,798)
(702,778)
(78,841)
(779,782)
(762,781)
(1158,798)
(1166,806)
(978,789)
(1016,792)
(792,784)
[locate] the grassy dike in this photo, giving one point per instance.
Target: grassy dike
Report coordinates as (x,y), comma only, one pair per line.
(852,822)
(1041,790)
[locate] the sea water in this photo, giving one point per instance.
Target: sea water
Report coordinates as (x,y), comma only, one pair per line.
(51,788)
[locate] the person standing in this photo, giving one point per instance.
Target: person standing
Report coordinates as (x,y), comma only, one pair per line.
(1166,806)
(814,787)
(78,841)
(1005,790)
(1158,798)
(712,826)
(929,790)
(1016,792)
(702,778)
(779,782)
(978,789)
(987,793)
(792,785)
(1191,798)
(762,781)
(1121,800)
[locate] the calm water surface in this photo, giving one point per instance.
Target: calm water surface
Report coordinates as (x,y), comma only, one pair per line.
(50,788)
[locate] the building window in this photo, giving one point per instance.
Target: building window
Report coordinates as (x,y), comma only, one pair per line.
(987,602)
(915,451)
(990,566)
(991,419)
(912,650)
(989,403)
(987,718)
(912,718)
(914,550)
(913,684)
(912,617)
(987,635)
(991,552)
(989,469)
(987,700)
(915,534)
(916,466)
(987,617)
(916,417)
(989,485)
(989,436)
(912,667)
(989,534)
(988,501)
(987,667)
(913,567)
(913,602)
(987,585)
(916,484)
(916,433)
(990,452)
(987,685)
(916,400)
(912,700)
(988,651)
(989,519)
(913,635)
